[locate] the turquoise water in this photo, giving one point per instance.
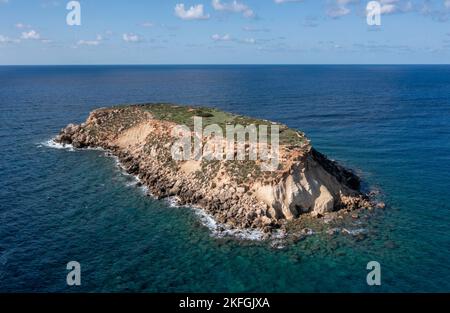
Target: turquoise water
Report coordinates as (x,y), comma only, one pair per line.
(389,123)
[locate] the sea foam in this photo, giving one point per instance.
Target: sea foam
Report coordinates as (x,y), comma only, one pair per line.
(219,230)
(56,145)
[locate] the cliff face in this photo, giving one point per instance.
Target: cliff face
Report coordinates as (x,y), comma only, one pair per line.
(237,193)
(313,184)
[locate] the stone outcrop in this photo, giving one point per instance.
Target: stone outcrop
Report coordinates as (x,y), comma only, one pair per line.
(236,193)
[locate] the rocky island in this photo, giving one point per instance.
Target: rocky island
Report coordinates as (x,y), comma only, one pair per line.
(237,193)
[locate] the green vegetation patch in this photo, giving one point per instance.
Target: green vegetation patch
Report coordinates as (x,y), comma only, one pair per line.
(184,115)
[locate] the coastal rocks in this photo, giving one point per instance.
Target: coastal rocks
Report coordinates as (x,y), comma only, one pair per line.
(234,193)
(67,134)
(333,231)
(350,203)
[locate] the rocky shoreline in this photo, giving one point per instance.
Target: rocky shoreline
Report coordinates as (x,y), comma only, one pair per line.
(234,193)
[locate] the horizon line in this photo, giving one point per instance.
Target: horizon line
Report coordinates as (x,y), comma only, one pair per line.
(220,64)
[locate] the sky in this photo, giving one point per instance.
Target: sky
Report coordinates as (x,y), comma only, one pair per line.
(224,32)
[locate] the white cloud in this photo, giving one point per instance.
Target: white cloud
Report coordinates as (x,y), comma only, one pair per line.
(388,8)
(4,39)
(4,1)
(22,26)
(131,37)
(447,3)
(32,35)
(228,38)
(95,42)
(395,6)
(193,13)
(217,37)
(340,8)
(234,6)
(338,11)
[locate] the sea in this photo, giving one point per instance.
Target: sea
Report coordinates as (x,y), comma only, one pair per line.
(389,123)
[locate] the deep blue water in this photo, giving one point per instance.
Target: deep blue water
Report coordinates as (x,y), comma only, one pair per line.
(390,123)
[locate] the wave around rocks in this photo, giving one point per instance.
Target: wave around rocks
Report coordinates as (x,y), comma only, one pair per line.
(56,145)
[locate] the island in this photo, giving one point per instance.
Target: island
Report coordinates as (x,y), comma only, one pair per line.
(236,192)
